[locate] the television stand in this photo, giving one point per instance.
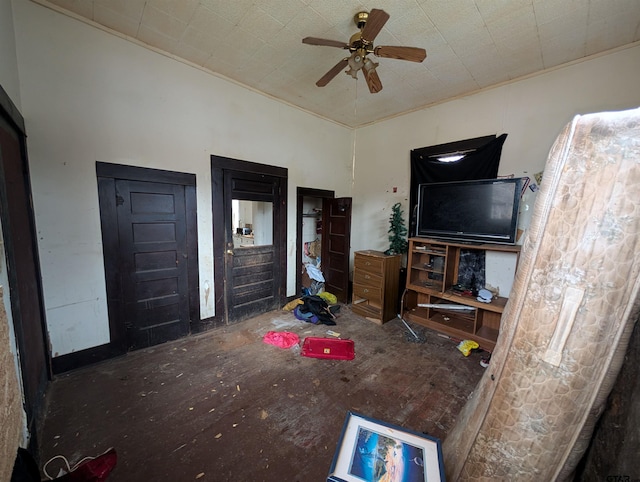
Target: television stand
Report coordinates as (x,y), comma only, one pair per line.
(432,274)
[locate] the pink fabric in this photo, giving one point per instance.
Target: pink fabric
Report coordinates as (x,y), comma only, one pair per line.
(282,339)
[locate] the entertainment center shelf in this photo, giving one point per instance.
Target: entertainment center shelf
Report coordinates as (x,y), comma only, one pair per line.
(433,268)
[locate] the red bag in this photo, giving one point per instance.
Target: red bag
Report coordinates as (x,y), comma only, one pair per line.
(336,349)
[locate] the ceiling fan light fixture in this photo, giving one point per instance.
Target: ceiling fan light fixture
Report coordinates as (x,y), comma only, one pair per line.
(369,66)
(356,62)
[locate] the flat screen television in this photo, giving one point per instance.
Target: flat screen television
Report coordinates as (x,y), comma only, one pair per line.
(481,211)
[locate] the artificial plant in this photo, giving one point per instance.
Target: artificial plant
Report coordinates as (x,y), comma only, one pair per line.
(397,231)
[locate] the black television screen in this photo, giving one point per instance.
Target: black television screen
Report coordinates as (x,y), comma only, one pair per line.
(481,211)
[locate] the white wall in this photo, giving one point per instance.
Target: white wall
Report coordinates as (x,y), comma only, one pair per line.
(8,60)
(90,96)
(532,112)
(262,222)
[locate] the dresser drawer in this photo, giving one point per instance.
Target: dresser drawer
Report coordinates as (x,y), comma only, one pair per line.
(370,264)
(374,313)
(363,277)
(370,293)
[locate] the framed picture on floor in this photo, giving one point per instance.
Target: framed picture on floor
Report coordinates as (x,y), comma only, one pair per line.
(373,451)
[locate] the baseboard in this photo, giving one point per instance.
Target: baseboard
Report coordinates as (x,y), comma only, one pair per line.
(79,359)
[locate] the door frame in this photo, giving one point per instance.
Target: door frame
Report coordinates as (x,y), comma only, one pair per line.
(33,401)
(301,193)
(107,174)
(219,165)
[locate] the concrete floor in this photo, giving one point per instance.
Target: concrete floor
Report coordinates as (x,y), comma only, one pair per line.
(225,406)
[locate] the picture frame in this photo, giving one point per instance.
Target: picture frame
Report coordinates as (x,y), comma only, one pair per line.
(370,450)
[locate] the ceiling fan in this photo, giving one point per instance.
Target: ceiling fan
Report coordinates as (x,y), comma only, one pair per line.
(361,45)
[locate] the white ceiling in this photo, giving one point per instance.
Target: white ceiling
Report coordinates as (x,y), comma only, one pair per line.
(470,44)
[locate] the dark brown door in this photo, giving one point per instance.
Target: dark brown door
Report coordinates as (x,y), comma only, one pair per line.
(153,250)
(249,237)
(149,235)
(252,270)
(336,246)
(23,270)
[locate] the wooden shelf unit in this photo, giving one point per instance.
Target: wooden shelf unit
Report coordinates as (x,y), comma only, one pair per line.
(432,272)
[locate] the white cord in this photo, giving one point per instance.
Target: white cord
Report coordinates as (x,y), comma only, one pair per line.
(66,462)
(44,467)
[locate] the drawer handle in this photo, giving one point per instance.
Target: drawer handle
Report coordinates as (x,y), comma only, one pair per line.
(366,290)
(367,263)
(366,276)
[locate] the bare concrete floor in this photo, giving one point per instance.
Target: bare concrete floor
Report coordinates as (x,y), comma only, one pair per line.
(225,406)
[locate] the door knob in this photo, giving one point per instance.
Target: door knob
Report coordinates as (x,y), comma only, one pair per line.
(230,251)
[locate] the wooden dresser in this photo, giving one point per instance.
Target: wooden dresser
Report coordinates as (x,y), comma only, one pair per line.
(375,285)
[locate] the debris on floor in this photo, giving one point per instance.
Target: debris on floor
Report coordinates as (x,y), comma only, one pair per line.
(293,404)
(485,360)
(415,336)
(410,334)
(316,280)
(330,298)
(465,346)
(292,304)
(281,339)
(314,309)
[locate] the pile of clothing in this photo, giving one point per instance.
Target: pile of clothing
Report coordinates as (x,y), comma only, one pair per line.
(315,309)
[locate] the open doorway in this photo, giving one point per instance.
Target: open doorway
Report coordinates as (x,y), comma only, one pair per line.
(308,231)
(323,241)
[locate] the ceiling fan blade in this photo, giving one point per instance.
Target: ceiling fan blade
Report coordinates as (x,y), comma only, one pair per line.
(326,78)
(325,42)
(414,54)
(373,80)
(375,22)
